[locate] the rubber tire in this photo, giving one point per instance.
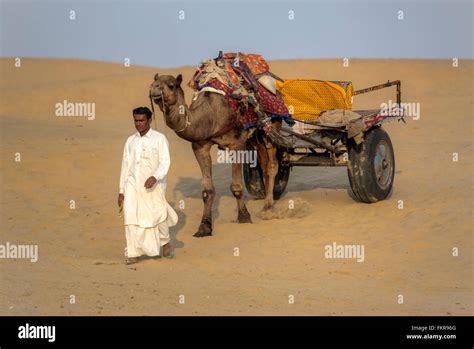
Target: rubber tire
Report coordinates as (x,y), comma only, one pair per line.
(253,178)
(361,169)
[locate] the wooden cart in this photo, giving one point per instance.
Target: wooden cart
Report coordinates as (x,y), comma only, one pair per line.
(369,158)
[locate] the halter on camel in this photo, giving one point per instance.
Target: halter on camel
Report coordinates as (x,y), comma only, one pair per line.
(164,112)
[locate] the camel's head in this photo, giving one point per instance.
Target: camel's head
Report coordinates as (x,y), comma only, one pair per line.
(165,89)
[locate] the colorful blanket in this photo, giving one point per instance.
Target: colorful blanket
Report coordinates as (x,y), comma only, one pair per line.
(306,99)
(236,74)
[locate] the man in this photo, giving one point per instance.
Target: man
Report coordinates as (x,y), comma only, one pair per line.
(147,214)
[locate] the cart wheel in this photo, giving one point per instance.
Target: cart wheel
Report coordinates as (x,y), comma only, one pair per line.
(253,178)
(371,166)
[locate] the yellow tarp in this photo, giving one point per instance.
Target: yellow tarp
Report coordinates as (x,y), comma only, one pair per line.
(306,99)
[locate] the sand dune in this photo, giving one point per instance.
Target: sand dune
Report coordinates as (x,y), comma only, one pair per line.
(407,251)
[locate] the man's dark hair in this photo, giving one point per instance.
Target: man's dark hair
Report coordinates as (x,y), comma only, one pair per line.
(143,111)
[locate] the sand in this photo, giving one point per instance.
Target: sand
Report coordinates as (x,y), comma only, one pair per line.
(408,251)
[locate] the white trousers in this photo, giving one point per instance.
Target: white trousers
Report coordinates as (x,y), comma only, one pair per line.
(146,241)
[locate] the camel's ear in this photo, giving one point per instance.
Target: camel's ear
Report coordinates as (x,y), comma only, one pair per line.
(179,79)
(157,76)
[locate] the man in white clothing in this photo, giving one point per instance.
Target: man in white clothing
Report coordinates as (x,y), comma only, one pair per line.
(147,215)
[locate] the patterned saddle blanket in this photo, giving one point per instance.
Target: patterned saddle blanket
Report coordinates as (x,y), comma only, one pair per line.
(237,76)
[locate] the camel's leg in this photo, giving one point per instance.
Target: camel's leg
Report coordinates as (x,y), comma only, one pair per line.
(237,189)
(270,170)
(262,157)
(203,156)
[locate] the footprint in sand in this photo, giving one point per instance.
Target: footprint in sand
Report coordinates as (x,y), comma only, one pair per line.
(291,208)
(106,263)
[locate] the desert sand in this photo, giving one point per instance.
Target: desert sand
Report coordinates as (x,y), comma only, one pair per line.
(408,251)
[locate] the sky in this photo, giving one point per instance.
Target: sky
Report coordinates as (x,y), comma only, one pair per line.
(159,34)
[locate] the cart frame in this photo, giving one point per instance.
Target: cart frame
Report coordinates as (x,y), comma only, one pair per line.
(369,157)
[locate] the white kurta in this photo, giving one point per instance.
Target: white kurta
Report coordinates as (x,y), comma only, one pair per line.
(145,209)
(146,241)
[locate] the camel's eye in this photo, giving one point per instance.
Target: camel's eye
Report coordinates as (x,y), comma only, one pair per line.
(171,86)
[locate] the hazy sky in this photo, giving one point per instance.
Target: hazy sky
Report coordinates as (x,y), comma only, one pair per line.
(151,32)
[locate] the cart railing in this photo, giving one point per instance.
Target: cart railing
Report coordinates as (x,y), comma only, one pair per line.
(381,86)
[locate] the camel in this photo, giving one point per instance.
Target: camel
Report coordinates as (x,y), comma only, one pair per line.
(209,121)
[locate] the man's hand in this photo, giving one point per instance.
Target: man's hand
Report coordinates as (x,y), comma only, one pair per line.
(120,200)
(150,182)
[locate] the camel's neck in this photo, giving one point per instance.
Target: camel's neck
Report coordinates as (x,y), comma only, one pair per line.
(179,113)
(175,115)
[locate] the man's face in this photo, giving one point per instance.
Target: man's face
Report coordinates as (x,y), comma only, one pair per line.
(142,123)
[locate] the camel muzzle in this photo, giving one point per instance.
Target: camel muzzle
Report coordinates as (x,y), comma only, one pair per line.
(156,96)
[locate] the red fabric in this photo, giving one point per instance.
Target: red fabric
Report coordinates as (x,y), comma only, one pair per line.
(272,104)
(257,64)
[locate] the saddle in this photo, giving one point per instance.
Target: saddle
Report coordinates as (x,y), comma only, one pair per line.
(245,82)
